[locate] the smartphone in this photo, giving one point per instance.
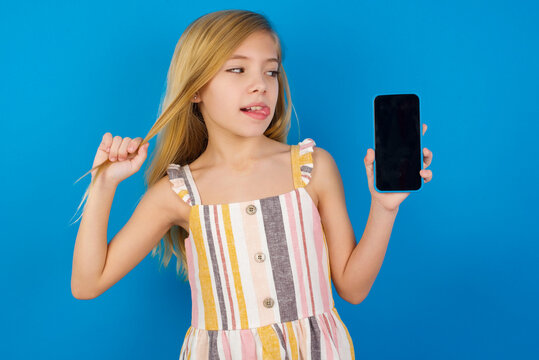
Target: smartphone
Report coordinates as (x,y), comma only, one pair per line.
(397,143)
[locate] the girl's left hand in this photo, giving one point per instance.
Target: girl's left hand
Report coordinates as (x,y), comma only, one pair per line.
(391,201)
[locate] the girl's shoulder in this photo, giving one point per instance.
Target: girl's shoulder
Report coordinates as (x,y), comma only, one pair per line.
(319,158)
(309,149)
(325,175)
(319,172)
(164,193)
(177,178)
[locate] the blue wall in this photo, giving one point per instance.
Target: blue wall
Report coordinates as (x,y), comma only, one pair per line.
(460,277)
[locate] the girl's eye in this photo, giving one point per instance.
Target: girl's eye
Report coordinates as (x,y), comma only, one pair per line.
(275,72)
(232,70)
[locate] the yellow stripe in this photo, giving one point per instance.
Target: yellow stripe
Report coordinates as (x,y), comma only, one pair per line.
(235,268)
(296,167)
(182,193)
(347,334)
(270,343)
(210,312)
(292,341)
(297,162)
(306,158)
(188,332)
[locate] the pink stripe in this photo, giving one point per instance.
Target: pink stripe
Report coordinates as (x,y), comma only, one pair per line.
(223,262)
(226,346)
(319,243)
(325,317)
(306,144)
(297,256)
(285,338)
(191,271)
(253,242)
(334,329)
(301,338)
(329,342)
(305,249)
(247,344)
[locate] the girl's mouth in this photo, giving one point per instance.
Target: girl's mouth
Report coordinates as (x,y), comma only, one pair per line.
(257,112)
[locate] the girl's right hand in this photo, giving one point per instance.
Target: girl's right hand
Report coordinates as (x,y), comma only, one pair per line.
(123,154)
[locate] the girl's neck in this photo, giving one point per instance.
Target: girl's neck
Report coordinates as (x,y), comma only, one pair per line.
(237,153)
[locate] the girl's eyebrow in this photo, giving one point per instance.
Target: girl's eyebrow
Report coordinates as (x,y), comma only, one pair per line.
(238,56)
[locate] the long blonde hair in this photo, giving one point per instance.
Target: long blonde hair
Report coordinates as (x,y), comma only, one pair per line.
(181,133)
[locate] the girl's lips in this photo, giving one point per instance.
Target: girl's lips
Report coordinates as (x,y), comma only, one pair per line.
(258,114)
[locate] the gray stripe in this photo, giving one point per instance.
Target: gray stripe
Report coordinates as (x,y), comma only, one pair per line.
(213,352)
(315,338)
(173,171)
(278,253)
(305,168)
(281,338)
(188,185)
(194,190)
(215,267)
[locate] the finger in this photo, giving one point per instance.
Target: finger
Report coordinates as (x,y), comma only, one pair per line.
(122,151)
(427,157)
(116,142)
(106,141)
(426,175)
(369,160)
(140,157)
(424,128)
(134,144)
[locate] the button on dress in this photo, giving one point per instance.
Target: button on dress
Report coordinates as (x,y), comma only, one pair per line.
(259,274)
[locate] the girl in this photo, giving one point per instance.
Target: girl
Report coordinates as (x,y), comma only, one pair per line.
(259,227)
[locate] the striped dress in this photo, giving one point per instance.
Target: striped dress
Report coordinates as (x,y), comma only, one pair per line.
(259,274)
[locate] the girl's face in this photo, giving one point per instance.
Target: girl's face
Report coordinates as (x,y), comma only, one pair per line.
(248,77)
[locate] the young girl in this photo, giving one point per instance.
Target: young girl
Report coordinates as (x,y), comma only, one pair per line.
(260,227)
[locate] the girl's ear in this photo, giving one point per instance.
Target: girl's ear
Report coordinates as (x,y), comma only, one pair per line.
(196,98)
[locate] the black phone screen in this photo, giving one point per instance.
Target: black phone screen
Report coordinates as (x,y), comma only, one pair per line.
(397,143)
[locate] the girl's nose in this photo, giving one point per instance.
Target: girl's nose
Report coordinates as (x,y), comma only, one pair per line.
(258,83)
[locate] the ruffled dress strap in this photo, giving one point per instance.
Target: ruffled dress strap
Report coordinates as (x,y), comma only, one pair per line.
(182,183)
(302,162)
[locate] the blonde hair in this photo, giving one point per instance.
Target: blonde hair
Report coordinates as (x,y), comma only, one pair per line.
(181,133)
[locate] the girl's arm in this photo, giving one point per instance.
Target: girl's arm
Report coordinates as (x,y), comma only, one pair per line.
(354,267)
(98,265)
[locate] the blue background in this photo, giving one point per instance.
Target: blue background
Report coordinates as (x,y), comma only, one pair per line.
(460,277)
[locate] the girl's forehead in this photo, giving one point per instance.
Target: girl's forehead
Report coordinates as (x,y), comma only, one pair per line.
(260,44)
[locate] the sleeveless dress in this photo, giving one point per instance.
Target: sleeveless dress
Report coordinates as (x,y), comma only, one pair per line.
(259,274)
